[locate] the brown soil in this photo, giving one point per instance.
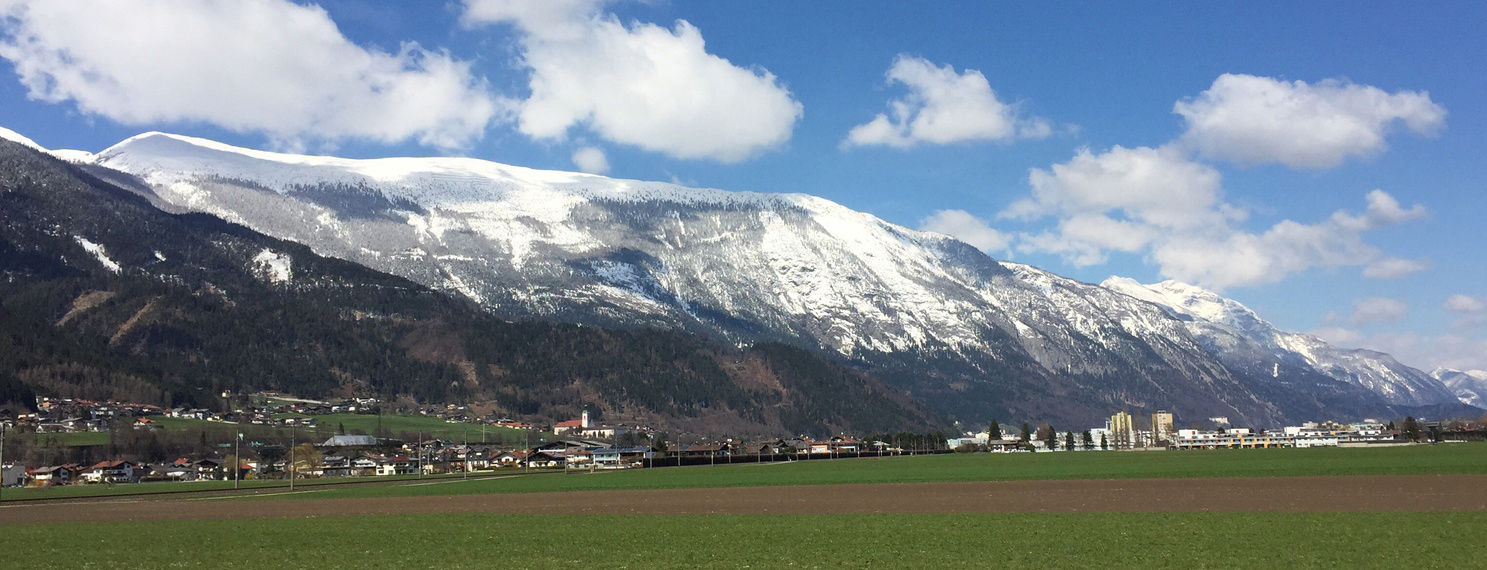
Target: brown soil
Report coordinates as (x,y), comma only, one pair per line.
(1279,494)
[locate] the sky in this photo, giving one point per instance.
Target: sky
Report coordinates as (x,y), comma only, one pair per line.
(1321,162)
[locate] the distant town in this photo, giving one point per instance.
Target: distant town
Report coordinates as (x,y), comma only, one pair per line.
(275,436)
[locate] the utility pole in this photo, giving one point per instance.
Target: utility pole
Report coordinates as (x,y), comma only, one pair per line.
(237,460)
(291,457)
(2,460)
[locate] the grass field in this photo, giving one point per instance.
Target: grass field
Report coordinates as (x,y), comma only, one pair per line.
(1425,459)
(1169,540)
(1436,459)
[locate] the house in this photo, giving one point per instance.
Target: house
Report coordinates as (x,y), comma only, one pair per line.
(334,466)
(547,458)
(710,450)
(145,424)
(53,475)
(208,469)
(515,458)
(1004,445)
(396,465)
(13,475)
(182,469)
(620,457)
(113,472)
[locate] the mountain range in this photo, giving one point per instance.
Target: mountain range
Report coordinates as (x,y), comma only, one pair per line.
(940,321)
(104,296)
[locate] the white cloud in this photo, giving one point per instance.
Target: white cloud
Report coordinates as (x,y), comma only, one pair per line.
(1155,186)
(1421,351)
(1378,310)
(965,227)
(269,66)
(1466,304)
(591,160)
(639,84)
(1393,267)
(1340,336)
(1156,202)
(1253,120)
(943,107)
(1471,312)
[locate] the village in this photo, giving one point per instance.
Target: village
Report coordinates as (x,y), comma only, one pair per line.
(580,443)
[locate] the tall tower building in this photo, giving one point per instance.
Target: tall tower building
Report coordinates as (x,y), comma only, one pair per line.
(1123,430)
(1161,425)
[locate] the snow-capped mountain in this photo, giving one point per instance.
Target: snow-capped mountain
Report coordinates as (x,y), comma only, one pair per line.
(973,337)
(1470,386)
(1240,337)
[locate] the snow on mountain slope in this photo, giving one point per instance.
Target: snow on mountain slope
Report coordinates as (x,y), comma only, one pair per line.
(1470,386)
(1230,328)
(970,335)
(65,154)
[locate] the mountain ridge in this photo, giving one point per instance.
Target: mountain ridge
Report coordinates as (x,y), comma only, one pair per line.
(105,296)
(973,336)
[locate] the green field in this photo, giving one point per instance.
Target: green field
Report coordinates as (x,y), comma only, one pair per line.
(1424,459)
(1103,540)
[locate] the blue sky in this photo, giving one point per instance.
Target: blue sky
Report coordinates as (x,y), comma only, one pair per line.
(1046,134)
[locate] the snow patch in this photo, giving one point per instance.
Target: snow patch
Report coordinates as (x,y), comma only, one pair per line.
(274,266)
(98,252)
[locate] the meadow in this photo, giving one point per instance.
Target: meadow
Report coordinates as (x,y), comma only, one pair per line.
(1417,460)
(1105,540)
(1461,458)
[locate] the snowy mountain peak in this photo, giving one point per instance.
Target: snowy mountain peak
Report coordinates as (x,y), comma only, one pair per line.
(64,154)
(1186,300)
(1469,386)
(13,136)
(1240,337)
(164,158)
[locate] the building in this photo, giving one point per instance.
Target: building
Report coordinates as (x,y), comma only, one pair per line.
(1161,425)
(1122,431)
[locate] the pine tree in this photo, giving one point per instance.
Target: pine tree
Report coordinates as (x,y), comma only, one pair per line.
(1069,441)
(1089,440)
(994,432)
(1103,444)
(1410,429)
(1027,432)
(1052,440)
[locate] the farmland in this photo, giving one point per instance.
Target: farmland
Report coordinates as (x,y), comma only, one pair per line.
(1418,506)
(1164,540)
(1441,459)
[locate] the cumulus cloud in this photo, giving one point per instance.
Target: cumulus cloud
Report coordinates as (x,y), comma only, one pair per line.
(1378,310)
(591,160)
(268,66)
(965,227)
(1156,186)
(943,107)
(1159,203)
(638,84)
(1253,120)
